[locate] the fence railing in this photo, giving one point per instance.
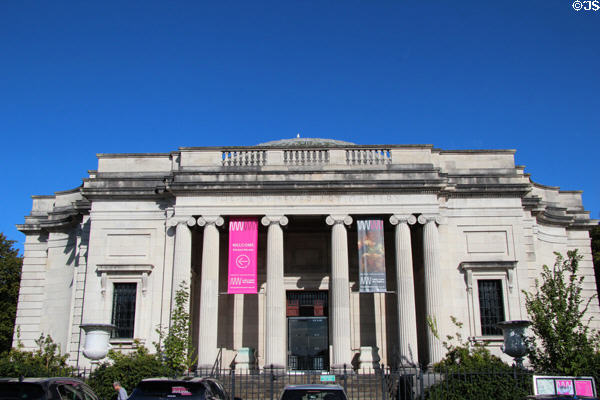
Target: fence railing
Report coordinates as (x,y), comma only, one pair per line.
(381,383)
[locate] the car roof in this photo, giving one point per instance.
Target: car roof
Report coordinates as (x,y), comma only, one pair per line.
(41,380)
(180,379)
(313,386)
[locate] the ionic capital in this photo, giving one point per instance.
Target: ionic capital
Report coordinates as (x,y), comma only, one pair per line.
(338,219)
(274,219)
(216,220)
(403,218)
(189,221)
(423,219)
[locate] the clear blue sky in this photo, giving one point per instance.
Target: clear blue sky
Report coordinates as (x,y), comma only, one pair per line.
(79,78)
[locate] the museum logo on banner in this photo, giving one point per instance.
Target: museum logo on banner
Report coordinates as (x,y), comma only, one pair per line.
(243,244)
(371,255)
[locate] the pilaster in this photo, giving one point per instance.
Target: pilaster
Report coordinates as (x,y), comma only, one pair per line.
(182,262)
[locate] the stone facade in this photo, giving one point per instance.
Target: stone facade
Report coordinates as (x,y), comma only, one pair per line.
(452,220)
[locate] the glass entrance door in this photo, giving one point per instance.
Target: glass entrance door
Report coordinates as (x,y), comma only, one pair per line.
(308,343)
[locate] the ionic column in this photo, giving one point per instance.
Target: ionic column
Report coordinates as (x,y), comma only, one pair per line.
(405,292)
(209,292)
(182,262)
(340,292)
(433,287)
(275,329)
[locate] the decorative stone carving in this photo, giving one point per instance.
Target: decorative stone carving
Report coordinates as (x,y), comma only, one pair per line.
(216,220)
(189,221)
(274,219)
(338,219)
(399,218)
(97,337)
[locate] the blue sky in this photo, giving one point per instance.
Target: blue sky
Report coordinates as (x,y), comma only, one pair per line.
(79,78)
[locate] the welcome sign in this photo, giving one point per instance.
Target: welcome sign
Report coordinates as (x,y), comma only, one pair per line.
(243,244)
(371,255)
(569,385)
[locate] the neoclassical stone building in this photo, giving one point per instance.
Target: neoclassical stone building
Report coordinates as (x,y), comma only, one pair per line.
(350,250)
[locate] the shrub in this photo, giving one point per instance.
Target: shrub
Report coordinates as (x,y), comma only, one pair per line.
(129,369)
(45,361)
(470,372)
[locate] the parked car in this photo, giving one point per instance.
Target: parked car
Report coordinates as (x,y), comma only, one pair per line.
(45,389)
(313,392)
(179,388)
(560,397)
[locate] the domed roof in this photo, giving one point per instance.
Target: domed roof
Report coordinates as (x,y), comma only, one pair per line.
(305,142)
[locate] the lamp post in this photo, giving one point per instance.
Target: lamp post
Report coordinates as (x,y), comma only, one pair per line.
(514,339)
(96,344)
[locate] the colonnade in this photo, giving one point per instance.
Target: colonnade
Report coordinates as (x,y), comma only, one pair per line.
(339,289)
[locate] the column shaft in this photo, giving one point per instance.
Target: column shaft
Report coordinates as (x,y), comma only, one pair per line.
(209,298)
(431,250)
(340,296)
(275,330)
(407,320)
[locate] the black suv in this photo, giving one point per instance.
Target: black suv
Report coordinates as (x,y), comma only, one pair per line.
(313,392)
(45,389)
(179,389)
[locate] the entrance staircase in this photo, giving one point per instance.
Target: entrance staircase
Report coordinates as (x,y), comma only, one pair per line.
(267,386)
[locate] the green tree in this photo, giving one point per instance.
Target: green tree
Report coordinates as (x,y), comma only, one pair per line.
(595,235)
(10,278)
(175,346)
(563,341)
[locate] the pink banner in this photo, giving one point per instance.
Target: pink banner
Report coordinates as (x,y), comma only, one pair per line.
(243,239)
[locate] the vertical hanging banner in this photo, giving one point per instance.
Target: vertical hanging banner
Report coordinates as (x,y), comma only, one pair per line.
(243,244)
(371,255)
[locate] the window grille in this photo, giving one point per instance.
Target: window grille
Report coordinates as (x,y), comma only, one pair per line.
(123,312)
(491,306)
(308,303)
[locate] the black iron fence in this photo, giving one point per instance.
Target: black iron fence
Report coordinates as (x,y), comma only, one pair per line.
(379,383)
(384,383)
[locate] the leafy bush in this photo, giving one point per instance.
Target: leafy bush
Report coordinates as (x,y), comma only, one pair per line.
(470,372)
(129,369)
(174,355)
(45,361)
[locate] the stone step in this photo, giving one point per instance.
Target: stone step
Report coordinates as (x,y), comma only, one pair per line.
(258,386)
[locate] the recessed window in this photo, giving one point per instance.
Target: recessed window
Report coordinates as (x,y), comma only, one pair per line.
(123,312)
(491,306)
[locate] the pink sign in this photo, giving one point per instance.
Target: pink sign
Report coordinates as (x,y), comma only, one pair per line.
(564,386)
(243,238)
(584,387)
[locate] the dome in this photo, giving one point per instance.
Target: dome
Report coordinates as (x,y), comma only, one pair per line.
(305,142)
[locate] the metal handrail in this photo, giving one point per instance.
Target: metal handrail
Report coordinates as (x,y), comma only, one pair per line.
(217,364)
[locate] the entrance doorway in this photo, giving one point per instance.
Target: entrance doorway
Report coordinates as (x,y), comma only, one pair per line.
(308,331)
